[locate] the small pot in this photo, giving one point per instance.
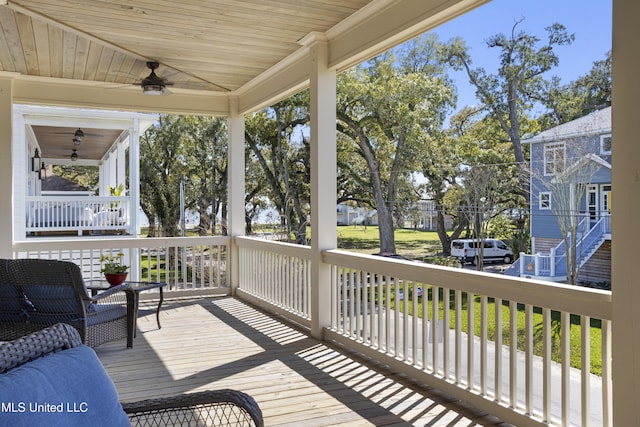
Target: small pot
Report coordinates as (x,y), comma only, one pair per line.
(115,279)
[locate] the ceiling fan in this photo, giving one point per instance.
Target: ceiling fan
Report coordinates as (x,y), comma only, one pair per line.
(78,135)
(152,84)
(156,85)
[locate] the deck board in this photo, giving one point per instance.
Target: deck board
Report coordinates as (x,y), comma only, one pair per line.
(222,342)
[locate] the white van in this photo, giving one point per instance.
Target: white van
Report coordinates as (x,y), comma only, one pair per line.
(466,250)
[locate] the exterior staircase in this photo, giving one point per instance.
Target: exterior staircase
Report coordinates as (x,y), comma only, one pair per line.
(553,266)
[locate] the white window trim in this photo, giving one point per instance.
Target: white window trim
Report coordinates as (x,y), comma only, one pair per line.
(602,138)
(540,196)
(553,147)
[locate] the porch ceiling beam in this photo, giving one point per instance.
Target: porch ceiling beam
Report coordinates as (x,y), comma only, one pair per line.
(64,93)
(35,115)
(369,32)
(79,122)
(69,162)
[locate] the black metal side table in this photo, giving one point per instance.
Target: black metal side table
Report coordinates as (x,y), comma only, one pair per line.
(132,290)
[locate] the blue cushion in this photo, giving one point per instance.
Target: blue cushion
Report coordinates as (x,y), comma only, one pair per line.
(52,298)
(11,299)
(13,308)
(101,313)
(67,388)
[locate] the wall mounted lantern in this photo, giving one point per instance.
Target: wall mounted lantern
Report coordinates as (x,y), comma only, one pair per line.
(36,161)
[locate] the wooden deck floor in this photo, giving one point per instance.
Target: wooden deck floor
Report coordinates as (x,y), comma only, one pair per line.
(297,381)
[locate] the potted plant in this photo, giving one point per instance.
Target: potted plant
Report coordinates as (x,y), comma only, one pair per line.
(114,271)
(114,207)
(116,192)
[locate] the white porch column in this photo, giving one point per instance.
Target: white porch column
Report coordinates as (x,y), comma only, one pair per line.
(121,162)
(102,179)
(236,180)
(134,175)
(107,175)
(26,182)
(625,281)
(323,178)
(6,168)
(112,171)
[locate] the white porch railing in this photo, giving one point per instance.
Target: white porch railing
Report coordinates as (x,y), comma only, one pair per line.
(510,352)
(196,264)
(277,273)
(77,214)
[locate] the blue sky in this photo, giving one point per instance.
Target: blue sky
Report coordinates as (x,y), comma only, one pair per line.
(588,20)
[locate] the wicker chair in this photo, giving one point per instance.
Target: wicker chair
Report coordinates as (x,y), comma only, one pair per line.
(211,408)
(35,293)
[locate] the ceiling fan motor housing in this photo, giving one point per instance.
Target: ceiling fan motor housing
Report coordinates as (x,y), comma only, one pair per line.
(152,84)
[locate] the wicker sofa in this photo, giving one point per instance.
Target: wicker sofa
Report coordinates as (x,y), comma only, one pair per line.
(50,378)
(36,293)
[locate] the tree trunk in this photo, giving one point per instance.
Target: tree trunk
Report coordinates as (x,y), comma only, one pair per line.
(205,222)
(152,222)
(442,233)
(248,224)
(445,240)
(385,229)
(223,219)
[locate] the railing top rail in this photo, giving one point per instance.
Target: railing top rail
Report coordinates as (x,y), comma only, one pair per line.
(79,199)
(290,249)
(116,243)
(591,302)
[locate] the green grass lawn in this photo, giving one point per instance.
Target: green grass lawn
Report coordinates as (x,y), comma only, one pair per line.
(413,244)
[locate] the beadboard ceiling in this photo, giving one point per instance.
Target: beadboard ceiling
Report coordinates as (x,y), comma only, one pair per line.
(215,53)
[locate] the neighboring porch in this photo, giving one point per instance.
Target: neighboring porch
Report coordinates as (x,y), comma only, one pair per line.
(81,215)
(55,136)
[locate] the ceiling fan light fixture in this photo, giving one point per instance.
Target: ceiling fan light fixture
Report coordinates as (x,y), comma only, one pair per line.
(77,137)
(152,84)
(74,156)
(153,89)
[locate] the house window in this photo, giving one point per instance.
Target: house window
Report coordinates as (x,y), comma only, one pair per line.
(554,159)
(605,144)
(544,200)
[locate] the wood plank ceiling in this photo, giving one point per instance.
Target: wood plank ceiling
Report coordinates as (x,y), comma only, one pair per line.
(95,52)
(216,45)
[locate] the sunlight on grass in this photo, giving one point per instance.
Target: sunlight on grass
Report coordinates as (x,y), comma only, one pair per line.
(413,244)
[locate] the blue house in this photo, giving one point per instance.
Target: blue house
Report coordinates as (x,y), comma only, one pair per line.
(570,182)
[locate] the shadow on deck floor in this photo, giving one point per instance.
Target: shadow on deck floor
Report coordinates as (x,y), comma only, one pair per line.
(297,381)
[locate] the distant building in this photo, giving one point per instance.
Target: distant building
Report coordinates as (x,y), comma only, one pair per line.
(350,215)
(424,217)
